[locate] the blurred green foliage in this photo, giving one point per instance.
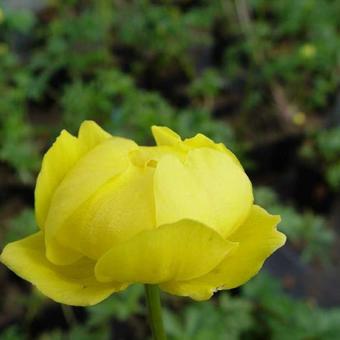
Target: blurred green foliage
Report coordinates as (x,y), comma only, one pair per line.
(295,44)
(305,230)
(84,61)
(227,318)
(324,148)
(281,317)
(22,225)
(245,73)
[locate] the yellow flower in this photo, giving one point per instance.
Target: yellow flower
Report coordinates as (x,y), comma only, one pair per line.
(112,213)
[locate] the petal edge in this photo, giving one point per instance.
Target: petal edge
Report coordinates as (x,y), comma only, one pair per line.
(168,252)
(72,285)
(258,238)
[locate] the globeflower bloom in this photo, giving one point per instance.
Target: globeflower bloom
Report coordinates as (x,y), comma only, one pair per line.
(112,213)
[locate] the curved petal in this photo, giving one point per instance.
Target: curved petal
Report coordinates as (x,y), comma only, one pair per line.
(62,156)
(202,141)
(119,210)
(91,134)
(72,285)
(258,238)
(208,187)
(101,164)
(151,155)
(61,254)
(178,251)
(59,159)
(165,136)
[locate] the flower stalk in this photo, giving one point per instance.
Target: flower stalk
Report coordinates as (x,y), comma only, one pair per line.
(153,301)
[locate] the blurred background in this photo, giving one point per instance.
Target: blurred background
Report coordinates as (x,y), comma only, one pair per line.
(261,76)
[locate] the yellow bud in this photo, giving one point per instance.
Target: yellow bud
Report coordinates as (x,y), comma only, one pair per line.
(308,51)
(111,213)
(299,118)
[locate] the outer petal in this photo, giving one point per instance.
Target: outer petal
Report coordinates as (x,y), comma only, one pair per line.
(90,135)
(72,285)
(202,141)
(59,159)
(151,155)
(208,187)
(116,212)
(94,169)
(258,238)
(179,251)
(166,137)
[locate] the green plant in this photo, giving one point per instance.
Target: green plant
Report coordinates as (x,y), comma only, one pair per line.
(328,144)
(164,33)
(306,230)
(23,224)
(122,306)
(17,147)
(227,318)
(282,317)
(323,149)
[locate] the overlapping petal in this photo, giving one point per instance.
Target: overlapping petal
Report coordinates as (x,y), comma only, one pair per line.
(258,238)
(208,187)
(73,285)
(179,251)
(59,159)
(111,213)
(166,137)
(93,170)
(202,141)
(117,211)
(151,155)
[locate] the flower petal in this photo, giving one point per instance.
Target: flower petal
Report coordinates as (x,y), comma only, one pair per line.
(208,187)
(98,166)
(117,211)
(178,251)
(165,136)
(202,141)
(151,155)
(59,159)
(91,134)
(258,238)
(72,285)
(62,156)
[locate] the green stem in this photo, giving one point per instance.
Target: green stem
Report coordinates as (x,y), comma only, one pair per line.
(69,316)
(155,311)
